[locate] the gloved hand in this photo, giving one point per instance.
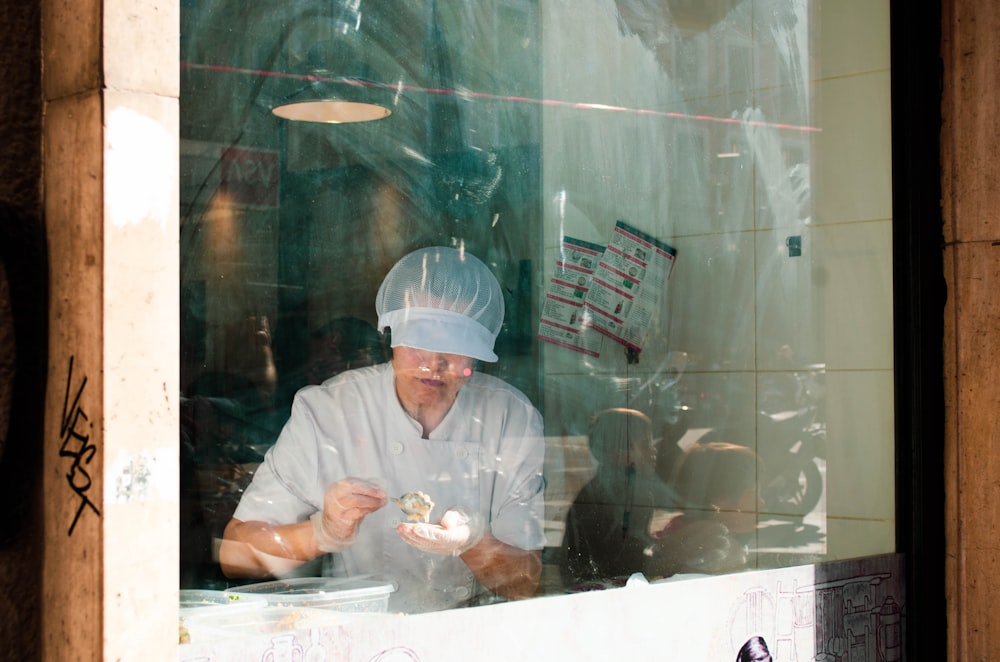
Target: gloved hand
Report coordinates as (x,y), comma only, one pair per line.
(456,534)
(345,505)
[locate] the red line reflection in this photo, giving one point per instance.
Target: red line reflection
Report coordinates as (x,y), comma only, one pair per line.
(469,94)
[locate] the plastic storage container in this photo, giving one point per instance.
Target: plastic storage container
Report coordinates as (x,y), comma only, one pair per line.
(227,623)
(345,594)
(196,601)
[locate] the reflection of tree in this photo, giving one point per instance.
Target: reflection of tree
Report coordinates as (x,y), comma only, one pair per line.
(440,149)
(445,168)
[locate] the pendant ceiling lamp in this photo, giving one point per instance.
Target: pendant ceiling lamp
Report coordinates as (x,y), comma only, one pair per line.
(345,55)
(331,111)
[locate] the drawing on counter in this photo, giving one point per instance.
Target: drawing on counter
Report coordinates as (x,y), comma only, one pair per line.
(397,654)
(856,618)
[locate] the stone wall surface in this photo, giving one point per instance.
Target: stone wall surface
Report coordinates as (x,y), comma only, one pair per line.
(971,197)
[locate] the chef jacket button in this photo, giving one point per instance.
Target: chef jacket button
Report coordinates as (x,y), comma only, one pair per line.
(462,452)
(394,522)
(396,448)
(462,591)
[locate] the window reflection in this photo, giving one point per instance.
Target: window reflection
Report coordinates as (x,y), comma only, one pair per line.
(518,125)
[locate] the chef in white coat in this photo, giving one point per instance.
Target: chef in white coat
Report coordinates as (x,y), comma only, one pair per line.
(426,421)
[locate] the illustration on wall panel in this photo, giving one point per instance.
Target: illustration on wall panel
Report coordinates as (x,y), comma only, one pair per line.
(857,619)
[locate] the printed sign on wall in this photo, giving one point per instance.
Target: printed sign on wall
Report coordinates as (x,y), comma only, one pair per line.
(562,312)
(613,291)
(628,285)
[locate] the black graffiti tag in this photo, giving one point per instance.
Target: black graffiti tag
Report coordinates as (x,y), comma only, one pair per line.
(74,432)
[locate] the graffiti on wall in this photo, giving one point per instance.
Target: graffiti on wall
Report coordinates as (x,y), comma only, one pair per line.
(74,431)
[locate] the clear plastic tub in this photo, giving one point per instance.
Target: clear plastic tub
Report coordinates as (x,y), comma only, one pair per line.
(344,594)
(227,623)
(194,601)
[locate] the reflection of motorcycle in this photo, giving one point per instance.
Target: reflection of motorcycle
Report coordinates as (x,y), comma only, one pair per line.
(788,445)
(791,438)
(790,434)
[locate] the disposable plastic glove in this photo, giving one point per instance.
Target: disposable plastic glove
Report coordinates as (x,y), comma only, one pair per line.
(456,534)
(345,505)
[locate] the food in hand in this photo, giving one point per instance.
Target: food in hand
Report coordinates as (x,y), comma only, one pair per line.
(416,505)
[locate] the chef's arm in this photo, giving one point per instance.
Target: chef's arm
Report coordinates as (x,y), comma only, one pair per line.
(506,570)
(259,549)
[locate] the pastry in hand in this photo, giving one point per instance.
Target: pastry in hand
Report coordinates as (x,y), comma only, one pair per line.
(416,505)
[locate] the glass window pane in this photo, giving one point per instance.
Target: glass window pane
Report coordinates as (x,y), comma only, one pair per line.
(686,213)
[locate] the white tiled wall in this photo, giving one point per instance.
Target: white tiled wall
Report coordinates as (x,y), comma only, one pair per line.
(796,95)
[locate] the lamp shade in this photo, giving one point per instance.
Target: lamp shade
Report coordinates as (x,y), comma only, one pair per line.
(348,57)
(331,111)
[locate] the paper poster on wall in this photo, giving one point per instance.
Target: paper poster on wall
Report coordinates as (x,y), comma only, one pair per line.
(627,285)
(562,311)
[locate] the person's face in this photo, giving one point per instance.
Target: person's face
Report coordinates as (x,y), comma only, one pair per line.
(426,378)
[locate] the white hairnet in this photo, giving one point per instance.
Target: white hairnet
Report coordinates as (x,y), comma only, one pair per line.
(442,300)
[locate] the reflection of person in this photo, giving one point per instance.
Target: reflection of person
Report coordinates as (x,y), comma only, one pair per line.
(716,481)
(226,418)
(339,344)
(243,391)
(607,527)
(342,344)
(423,422)
(754,650)
(720,478)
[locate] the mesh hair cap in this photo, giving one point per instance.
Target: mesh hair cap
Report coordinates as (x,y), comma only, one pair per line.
(442,299)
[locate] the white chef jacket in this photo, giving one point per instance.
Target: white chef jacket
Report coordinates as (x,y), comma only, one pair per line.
(486,456)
